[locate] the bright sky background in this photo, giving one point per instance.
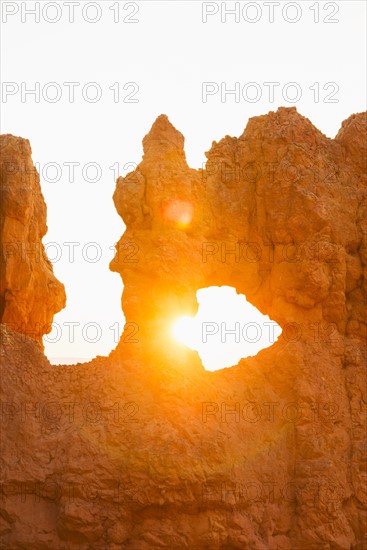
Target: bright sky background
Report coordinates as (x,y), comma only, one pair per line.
(168,53)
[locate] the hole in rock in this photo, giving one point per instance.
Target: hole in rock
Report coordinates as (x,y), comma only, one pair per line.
(226,328)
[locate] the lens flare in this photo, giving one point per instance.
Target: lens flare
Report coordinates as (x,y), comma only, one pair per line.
(178,212)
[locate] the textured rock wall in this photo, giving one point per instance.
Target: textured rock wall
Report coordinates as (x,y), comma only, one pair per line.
(30,293)
(144,449)
(291,204)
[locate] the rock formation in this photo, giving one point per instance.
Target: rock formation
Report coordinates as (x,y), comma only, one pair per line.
(30,294)
(144,449)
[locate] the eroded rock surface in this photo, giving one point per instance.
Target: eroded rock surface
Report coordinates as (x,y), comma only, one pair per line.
(30,293)
(144,449)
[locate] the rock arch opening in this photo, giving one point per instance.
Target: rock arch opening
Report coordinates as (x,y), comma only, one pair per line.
(227,328)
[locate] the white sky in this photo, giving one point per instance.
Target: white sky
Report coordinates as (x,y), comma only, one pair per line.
(168,53)
(226,328)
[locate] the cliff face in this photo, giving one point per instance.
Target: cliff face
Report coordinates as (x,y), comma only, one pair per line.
(144,449)
(30,293)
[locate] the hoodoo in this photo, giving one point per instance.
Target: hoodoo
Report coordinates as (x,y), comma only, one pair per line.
(30,293)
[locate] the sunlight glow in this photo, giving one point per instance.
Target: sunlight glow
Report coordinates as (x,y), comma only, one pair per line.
(183,330)
(225,329)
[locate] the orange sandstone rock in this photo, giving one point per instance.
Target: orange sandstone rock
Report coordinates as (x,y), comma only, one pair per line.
(144,449)
(30,293)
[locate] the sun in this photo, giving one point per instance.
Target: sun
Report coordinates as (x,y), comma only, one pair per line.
(183,331)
